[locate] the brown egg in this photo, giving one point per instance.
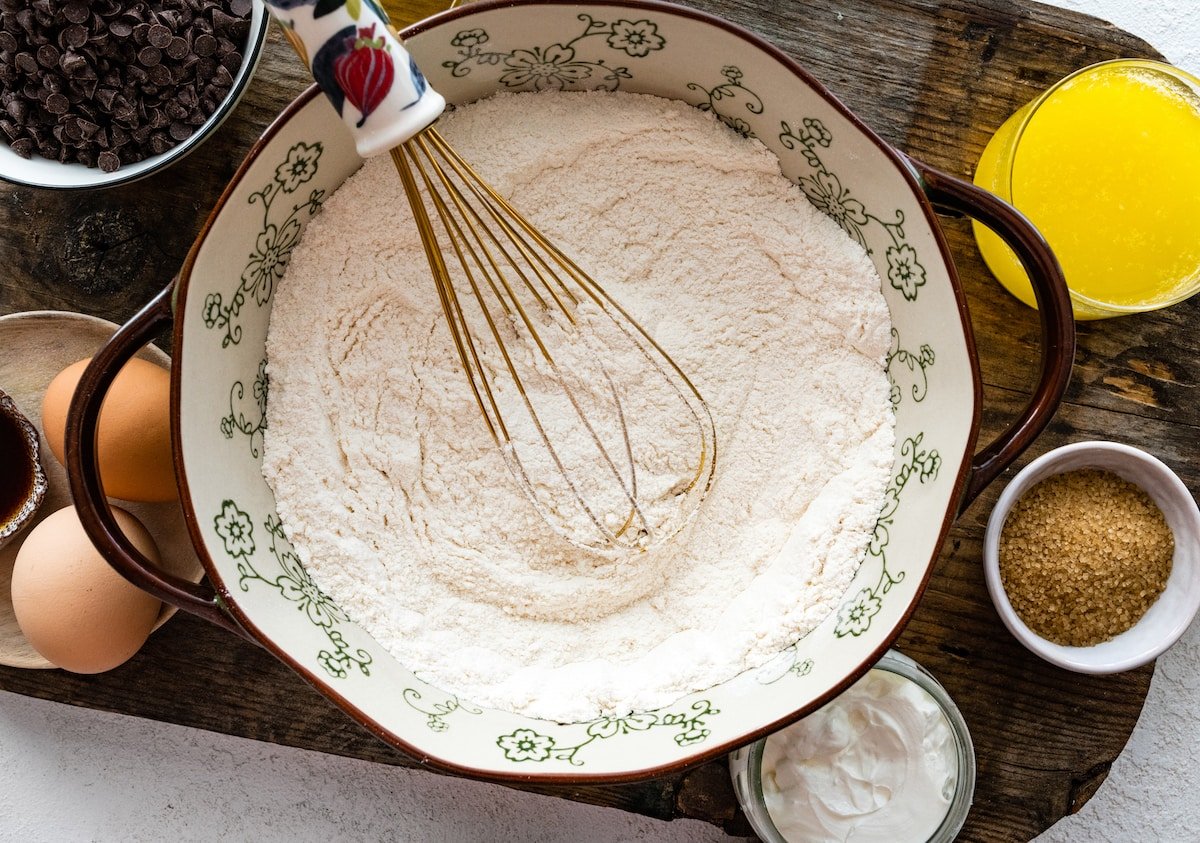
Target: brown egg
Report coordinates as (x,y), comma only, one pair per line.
(134,443)
(71,605)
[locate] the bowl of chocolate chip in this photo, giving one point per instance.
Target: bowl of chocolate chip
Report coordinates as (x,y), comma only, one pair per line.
(95,94)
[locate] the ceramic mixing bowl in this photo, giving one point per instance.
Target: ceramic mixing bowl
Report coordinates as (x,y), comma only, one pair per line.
(221,302)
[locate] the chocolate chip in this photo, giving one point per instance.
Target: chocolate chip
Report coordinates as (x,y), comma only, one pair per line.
(72,63)
(160,143)
(105,97)
(25,20)
(57,104)
(75,35)
(47,55)
(108,161)
(86,89)
(177,48)
(205,68)
(222,23)
(204,45)
(149,56)
(160,75)
(238,30)
(159,36)
(76,13)
(231,62)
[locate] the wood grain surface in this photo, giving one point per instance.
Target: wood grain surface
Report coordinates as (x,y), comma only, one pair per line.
(933,77)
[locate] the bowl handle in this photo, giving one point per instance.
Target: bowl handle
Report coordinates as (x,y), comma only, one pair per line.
(1054,311)
(84,473)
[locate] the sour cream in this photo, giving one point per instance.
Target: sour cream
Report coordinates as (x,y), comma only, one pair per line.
(878,763)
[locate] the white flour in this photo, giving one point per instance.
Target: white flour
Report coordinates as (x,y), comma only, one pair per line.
(401,507)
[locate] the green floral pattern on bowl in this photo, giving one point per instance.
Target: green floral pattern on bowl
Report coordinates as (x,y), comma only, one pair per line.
(558,65)
(690,728)
(225,385)
(277,237)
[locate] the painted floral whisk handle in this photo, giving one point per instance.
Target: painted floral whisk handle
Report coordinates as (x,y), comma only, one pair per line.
(362,67)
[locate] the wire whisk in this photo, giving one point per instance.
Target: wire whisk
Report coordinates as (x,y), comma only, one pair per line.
(554,362)
(603,432)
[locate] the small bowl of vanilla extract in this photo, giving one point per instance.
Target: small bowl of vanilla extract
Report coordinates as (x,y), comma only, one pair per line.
(22,480)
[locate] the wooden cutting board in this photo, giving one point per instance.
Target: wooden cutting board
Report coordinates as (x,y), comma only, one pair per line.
(933,77)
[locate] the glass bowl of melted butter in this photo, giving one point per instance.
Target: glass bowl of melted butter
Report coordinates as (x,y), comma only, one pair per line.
(889,759)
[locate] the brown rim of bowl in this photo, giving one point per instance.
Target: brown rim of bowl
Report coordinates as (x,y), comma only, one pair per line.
(225,596)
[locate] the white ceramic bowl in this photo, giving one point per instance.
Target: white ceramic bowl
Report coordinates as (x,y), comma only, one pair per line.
(221,304)
(42,172)
(1169,616)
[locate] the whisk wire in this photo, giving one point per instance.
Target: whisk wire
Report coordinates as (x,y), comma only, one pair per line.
(465,209)
(490,239)
(490,198)
(464,340)
(464,172)
(441,276)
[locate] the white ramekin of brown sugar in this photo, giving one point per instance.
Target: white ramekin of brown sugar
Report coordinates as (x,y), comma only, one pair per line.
(1092,557)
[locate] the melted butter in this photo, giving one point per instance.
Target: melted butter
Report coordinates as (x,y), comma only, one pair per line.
(1106,168)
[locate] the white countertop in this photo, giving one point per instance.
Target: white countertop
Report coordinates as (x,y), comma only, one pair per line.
(73,774)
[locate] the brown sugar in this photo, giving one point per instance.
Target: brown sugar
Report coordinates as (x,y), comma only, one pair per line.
(1083,555)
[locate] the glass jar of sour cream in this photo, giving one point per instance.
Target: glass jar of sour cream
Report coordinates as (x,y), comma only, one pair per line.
(890,759)
(1106,164)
